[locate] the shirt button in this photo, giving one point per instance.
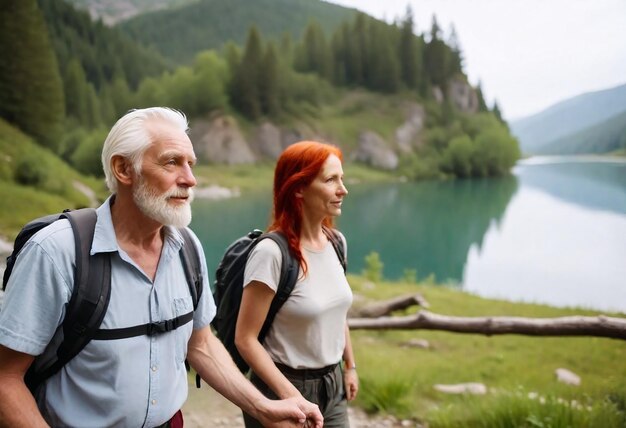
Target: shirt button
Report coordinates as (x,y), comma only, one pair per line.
(154,368)
(153,402)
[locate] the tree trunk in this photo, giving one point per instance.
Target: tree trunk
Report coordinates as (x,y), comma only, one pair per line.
(601,326)
(388,306)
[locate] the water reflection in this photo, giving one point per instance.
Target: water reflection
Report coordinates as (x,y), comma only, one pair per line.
(553,232)
(427,226)
(593,185)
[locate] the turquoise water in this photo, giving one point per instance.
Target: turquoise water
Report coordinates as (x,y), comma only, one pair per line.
(554,232)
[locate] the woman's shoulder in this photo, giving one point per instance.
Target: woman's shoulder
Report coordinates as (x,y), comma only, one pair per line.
(268,247)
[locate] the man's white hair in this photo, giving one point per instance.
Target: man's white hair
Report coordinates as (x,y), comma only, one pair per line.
(130,138)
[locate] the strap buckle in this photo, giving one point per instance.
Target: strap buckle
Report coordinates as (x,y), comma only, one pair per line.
(160,327)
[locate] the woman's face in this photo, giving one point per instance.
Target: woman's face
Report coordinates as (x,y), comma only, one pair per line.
(324,196)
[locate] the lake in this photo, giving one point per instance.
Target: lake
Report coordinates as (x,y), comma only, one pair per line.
(554,232)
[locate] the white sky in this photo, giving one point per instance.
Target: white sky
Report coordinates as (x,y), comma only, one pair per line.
(528,54)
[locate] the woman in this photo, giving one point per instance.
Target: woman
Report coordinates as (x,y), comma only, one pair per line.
(302,352)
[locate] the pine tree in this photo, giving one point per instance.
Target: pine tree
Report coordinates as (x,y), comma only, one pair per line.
(435,57)
(75,83)
(455,60)
(410,57)
(269,82)
(31,90)
(245,87)
(482,105)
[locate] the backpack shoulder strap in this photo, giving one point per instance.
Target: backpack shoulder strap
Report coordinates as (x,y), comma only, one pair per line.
(339,245)
(191,264)
(288,278)
(87,306)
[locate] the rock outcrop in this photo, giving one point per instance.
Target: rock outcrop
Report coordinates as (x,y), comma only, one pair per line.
(407,133)
(268,140)
(220,141)
(463,95)
(374,151)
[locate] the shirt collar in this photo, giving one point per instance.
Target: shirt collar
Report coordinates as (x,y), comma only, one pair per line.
(105,241)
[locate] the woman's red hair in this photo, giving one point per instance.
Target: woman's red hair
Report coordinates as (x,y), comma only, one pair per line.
(296,168)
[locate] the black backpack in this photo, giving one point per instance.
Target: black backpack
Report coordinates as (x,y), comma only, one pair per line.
(90,296)
(229,285)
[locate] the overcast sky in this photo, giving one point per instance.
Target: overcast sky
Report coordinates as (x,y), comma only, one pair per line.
(528,54)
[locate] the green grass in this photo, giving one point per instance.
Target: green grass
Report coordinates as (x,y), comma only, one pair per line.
(47,183)
(393,375)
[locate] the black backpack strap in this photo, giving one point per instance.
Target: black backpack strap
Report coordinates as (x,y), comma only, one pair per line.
(87,305)
(190,259)
(149,329)
(339,246)
(288,278)
(191,264)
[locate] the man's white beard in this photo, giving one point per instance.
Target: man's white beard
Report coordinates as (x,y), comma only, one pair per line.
(155,205)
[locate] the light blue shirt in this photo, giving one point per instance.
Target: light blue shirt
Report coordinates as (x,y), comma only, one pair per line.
(133,382)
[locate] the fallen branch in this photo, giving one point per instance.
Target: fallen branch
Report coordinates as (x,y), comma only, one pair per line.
(388,306)
(600,326)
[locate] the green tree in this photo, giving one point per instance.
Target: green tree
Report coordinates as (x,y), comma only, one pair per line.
(482,105)
(313,55)
(458,157)
(435,57)
(75,84)
(245,88)
(269,91)
(410,56)
(455,56)
(31,89)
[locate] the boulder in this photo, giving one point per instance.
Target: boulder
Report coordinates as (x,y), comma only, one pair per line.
(220,141)
(474,388)
(567,377)
(374,151)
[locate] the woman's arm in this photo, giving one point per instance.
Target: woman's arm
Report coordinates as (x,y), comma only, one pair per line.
(255,303)
(350,377)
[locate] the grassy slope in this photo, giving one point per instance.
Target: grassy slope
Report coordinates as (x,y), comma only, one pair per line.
(22,203)
(400,380)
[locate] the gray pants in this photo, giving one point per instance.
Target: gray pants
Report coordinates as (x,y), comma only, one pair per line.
(323,387)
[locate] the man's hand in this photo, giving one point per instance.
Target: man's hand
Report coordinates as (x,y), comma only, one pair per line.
(290,412)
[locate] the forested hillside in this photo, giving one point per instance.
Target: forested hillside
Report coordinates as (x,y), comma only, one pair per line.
(390,98)
(605,137)
(179,34)
(567,118)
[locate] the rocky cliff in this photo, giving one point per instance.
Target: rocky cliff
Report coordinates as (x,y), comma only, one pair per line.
(220,139)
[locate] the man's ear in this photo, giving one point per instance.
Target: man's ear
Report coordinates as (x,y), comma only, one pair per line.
(122,170)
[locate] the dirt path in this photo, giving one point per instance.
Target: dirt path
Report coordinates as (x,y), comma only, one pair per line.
(207,408)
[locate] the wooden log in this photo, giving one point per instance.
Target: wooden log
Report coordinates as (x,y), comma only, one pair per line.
(600,326)
(388,306)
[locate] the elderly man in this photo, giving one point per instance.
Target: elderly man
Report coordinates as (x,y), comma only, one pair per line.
(136,381)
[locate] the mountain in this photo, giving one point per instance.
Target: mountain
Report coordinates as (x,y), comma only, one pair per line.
(179,34)
(114,11)
(567,118)
(604,137)
(102,52)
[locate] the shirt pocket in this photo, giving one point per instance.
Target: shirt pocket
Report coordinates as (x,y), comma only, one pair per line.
(182,306)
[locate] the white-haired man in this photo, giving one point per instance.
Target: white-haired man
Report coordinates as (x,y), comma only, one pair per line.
(137,381)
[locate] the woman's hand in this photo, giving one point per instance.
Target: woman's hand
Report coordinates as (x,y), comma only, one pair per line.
(351,383)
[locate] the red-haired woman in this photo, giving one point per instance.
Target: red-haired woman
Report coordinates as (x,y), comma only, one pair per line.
(302,352)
